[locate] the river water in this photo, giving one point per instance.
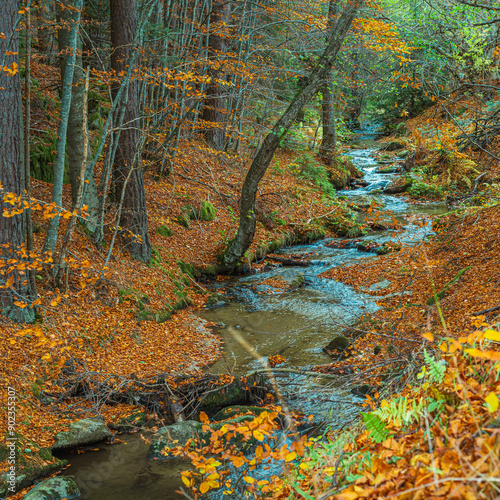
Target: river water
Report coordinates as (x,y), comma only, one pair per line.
(295,324)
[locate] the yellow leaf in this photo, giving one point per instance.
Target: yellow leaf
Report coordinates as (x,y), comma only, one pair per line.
(476,353)
(492,335)
(186,481)
(249,480)
(204,487)
(491,401)
(291,456)
(258,435)
(428,336)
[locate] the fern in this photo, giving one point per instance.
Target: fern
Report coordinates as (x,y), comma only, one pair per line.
(437,369)
(400,412)
(375,426)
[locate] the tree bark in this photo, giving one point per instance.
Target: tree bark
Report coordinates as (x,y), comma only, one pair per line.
(12,237)
(215,106)
(128,180)
(233,255)
(62,130)
(76,120)
(329,140)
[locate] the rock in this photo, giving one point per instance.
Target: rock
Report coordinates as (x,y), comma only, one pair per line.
(232,411)
(31,465)
(231,394)
(399,185)
(381,285)
(183,220)
(177,434)
(403,154)
(368,246)
(164,230)
(298,282)
(363,202)
(363,390)
(88,430)
(337,346)
(56,488)
(388,247)
(394,146)
(389,169)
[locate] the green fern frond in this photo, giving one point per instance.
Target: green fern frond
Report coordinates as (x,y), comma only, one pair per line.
(376,427)
(437,369)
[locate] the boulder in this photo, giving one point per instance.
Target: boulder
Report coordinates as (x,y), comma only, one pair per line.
(174,435)
(399,185)
(363,390)
(337,346)
(394,146)
(56,488)
(32,463)
(88,430)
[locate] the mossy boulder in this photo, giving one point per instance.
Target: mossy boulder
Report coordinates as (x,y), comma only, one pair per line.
(184,220)
(207,211)
(56,488)
(174,435)
(297,282)
(337,346)
(88,430)
(164,230)
(32,463)
(399,185)
(387,248)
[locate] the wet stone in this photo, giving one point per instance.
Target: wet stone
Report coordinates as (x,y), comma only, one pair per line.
(88,430)
(56,488)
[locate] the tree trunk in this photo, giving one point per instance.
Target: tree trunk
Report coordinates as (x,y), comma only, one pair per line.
(246,230)
(329,141)
(62,130)
(215,105)
(76,120)
(128,181)
(12,236)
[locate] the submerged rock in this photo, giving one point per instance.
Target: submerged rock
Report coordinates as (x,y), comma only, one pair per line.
(338,346)
(88,430)
(56,488)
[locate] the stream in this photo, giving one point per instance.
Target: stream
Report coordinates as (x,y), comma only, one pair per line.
(294,324)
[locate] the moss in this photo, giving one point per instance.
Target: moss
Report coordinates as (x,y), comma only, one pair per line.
(298,282)
(184,220)
(207,211)
(186,268)
(164,230)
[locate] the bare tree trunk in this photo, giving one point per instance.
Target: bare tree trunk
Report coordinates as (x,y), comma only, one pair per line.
(128,181)
(45,40)
(14,283)
(62,130)
(329,141)
(214,110)
(246,230)
(76,120)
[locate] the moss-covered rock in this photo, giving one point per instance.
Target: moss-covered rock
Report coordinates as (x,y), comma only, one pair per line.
(32,463)
(394,146)
(207,211)
(184,220)
(56,488)
(164,230)
(399,185)
(297,282)
(233,411)
(88,430)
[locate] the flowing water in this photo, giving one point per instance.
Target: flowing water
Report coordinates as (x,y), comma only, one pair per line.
(295,324)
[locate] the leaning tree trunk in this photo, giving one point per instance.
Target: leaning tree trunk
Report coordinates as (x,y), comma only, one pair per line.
(233,255)
(15,289)
(215,106)
(128,180)
(329,140)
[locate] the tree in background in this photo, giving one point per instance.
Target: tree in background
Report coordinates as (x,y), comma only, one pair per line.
(14,283)
(128,181)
